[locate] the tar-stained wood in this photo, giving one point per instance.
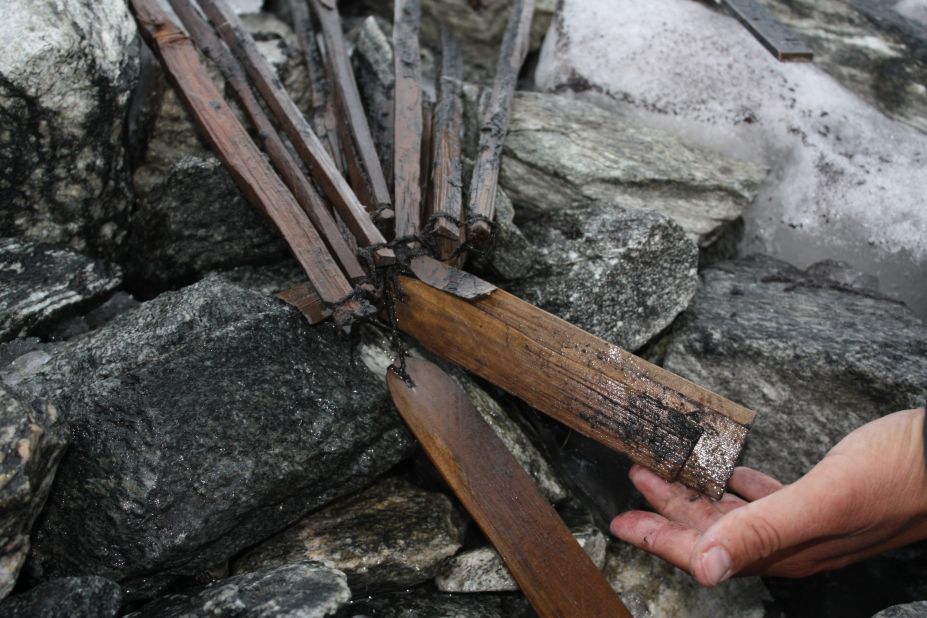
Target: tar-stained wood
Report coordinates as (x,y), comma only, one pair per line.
(288,167)
(775,36)
(304,298)
(294,124)
(407,117)
(552,570)
(494,124)
(234,146)
(351,109)
(448,279)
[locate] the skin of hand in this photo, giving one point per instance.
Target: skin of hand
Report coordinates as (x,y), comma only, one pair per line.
(867,496)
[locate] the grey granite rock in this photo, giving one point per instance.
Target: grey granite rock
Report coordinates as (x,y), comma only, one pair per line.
(68,597)
(562,151)
(815,358)
(388,537)
(651,588)
(41,283)
(302,590)
(202,422)
(66,70)
(115,305)
(909,610)
(622,274)
(420,603)
(32,441)
(509,255)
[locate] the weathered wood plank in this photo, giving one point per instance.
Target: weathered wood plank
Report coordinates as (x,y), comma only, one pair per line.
(772,34)
(407,117)
(234,146)
(495,122)
(552,570)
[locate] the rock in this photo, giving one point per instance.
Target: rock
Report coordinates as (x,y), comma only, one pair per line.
(814,358)
(509,255)
(482,570)
(68,597)
(562,151)
(32,441)
(620,273)
(202,422)
(389,537)
(66,70)
(41,283)
(302,590)
(651,588)
(437,605)
(118,303)
(909,610)
(269,279)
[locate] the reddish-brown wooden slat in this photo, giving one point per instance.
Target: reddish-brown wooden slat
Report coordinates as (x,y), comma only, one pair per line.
(407,117)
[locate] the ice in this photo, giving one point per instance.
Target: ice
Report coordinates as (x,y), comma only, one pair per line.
(846,183)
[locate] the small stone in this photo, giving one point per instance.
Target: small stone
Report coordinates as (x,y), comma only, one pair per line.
(42,283)
(68,597)
(302,590)
(508,255)
(389,537)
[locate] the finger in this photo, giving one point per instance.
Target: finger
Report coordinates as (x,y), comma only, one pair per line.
(675,501)
(752,484)
(653,533)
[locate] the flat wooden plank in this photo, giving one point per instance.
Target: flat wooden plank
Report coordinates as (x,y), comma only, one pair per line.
(548,564)
(775,36)
(407,117)
(234,146)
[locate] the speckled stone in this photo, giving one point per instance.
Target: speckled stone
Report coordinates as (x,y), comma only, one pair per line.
(68,597)
(420,603)
(909,610)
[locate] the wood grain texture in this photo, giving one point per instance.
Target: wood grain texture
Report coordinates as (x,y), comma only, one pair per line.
(407,117)
(234,146)
(494,124)
(552,570)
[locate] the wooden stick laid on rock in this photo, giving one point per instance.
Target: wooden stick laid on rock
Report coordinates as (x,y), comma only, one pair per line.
(407,117)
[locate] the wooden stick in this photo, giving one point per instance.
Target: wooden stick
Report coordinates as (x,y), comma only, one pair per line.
(407,117)
(775,36)
(307,144)
(552,570)
(352,110)
(310,201)
(241,156)
(495,121)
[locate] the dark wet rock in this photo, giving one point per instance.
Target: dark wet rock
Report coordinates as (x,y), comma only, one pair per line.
(388,537)
(68,597)
(202,422)
(302,590)
(32,441)
(117,304)
(909,610)
(813,357)
(438,605)
(562,152)
(41,283)
(508,255)
(651,588)
(269,279)
(66,71)
(622,274)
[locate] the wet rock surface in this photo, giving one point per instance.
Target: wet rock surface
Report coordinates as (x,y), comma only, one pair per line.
(909,610)
(202,422)
(40,283)
(32,441)
(813,357)
(389,537)
(438,605)
(68,597)
(63,175)
(303,590)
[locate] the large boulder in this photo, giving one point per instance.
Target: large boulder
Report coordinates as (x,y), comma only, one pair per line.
(815,358)
(68,597)
(202,422)
(67,68)
(32,441)
(41,283)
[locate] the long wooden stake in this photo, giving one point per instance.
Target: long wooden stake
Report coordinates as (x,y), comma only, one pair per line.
(234,146)
(555,574)
(311,202)
(495,121)
(407,117)
(301,135)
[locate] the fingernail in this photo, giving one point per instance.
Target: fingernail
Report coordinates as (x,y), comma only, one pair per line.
(716,564)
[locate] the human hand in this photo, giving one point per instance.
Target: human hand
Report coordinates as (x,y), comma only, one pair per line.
(867,496)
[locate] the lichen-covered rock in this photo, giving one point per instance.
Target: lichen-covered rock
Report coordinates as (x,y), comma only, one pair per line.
(32,441)
(908,610)
(622,274)
(651,588)
(389,537)
(562,151)
(302,590)
(40,283)
(436,605)
(202,422)
(68,597)
(815,358)
(66,70)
